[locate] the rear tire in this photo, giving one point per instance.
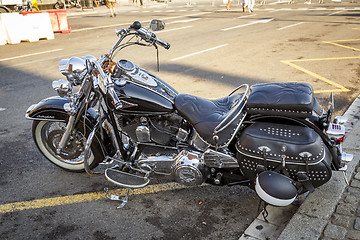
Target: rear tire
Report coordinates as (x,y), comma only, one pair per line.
(47,135)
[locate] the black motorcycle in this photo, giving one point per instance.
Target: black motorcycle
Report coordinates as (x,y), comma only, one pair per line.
(273,137)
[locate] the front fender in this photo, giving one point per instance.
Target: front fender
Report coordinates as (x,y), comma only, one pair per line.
(52,109)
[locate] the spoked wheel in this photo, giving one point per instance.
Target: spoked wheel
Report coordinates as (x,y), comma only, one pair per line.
(47,135)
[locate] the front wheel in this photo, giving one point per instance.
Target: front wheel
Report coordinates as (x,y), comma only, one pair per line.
(47,135)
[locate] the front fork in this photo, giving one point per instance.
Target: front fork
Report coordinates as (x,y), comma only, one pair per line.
(65,137)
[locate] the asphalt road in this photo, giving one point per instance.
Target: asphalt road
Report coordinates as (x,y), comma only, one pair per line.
(212,51)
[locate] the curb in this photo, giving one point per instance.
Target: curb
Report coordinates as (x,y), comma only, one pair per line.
(311,218)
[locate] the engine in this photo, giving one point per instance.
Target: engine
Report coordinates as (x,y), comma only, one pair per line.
(158,139)
(162,130)
(186,167)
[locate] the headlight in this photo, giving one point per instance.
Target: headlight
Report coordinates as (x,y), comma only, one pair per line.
(63,87)
(74,69)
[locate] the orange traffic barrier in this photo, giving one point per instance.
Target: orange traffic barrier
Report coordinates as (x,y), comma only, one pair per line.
(58,19)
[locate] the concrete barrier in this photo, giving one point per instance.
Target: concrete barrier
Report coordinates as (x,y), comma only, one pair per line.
(32,27)
(40,26)
(2,34)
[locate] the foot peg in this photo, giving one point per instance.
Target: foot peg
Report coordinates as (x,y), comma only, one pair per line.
(124,179)
(123,200)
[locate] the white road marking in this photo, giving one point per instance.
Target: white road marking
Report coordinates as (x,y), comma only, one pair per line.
(196,53)
(185,21)
(248,24)
(44,59)
(128,24)
(174,29)
(31,54)
(292,25)
(334,13)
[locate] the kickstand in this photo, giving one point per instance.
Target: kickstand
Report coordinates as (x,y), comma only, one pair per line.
(123,200)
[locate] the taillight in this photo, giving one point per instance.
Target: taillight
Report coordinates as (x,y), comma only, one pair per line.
(336,132)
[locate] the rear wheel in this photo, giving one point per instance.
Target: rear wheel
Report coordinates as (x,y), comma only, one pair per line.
(47,135)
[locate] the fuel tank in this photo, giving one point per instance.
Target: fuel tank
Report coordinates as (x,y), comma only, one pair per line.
(141,92)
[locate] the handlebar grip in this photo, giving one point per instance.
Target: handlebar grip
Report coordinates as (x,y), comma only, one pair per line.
(163,43)
(150,37)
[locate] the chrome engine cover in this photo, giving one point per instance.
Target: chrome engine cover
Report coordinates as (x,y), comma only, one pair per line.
(158,164)
(214,159)
(189,168)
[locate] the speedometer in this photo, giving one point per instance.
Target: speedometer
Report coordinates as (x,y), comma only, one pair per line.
(125,65)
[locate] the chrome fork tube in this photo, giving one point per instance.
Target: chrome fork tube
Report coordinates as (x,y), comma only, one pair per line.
(65,137)
(88,150)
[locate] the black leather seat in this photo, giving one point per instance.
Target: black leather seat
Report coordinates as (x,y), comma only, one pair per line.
(282,99)
(205,115)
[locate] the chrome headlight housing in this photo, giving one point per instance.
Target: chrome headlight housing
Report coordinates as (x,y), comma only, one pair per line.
(74,69)
(63,87)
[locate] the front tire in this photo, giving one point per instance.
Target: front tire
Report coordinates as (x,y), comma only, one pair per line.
(47,135)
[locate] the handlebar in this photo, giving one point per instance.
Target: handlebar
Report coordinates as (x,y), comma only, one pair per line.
(148,36)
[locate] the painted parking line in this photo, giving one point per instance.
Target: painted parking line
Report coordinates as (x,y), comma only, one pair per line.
(31,54)
(339,87)
(337,43)
(334,13)
(289,26)
(129,23)
(43,60)
(86,197)
(173,29)
(249,24)
(197,53)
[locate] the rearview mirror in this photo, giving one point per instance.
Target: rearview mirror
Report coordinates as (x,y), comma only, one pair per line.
(157,25)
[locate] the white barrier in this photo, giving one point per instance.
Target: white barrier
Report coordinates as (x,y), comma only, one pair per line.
(2,34)
(31,27)
(39,25)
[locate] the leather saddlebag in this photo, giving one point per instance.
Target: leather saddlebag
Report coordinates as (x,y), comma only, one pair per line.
(296,151)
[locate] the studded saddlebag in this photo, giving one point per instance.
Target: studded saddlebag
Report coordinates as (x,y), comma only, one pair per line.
(297,151)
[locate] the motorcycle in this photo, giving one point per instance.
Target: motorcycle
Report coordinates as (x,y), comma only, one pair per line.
(28,6)
(60,4)
(272,137)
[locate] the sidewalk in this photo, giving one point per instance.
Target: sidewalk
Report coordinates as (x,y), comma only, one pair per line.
(332,211)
